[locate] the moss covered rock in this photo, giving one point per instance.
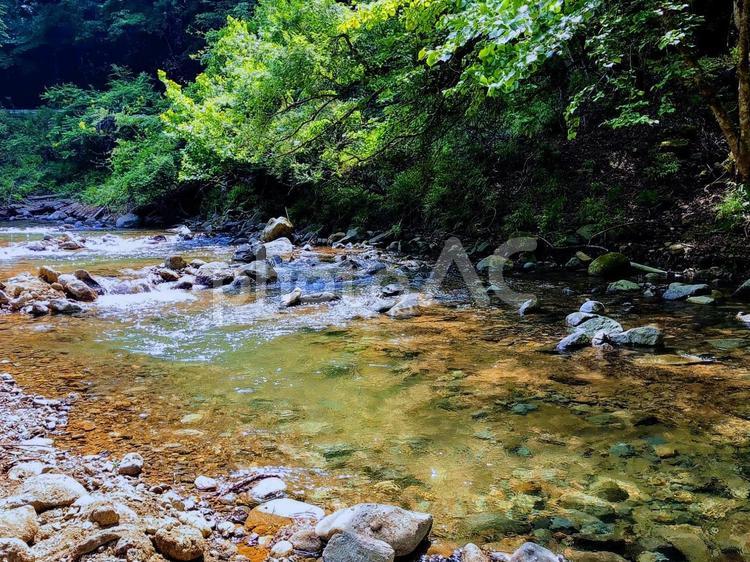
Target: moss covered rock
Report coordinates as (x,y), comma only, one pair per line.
(610,265)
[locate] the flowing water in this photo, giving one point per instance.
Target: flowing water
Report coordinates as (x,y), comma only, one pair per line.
(463,412)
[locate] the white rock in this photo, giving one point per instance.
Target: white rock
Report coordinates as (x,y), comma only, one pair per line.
(291,509)
(131,465)
(198,521)
(15,550)
(48,491)
(282,549)
(267,489)
(20,523)
(204,483)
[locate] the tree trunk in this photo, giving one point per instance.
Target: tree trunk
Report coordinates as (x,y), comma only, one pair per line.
(742,154)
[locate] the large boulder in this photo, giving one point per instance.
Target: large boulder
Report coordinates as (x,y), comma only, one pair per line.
(401,529)
(680,291)
(64,306)
(48,491)
(281,247)
(20,523)
(277,228)
(129,220)
(182,543)
(77,289)
(576,340)
(348,547)
(48,275)
(592,307)
(214,274)
(610,265)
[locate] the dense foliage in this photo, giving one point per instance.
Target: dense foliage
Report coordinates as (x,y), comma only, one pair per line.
(416,113)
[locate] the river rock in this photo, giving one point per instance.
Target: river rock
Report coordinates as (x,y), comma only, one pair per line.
(104,514)
(48,491)
(277,228)
(610,265)
(280,247)
(77,289)
(168,275)
(530,552)
(291,509)
(591,326)
(129,220)
(576,318)
(20,523)
(64,306)
(214,274)
(576,340)
(182,543)
(528,307)
(348,547)
(591,307)
(176,263)
(291,299)
(259,271)
(408,306)
(282,549)
(318,298)
(623,286)
(23,470)
(205,484)
(306,540)
(680,291)
(472,553)
(48,275)
(15,550)
(403,530)
(645,336)
(494,264)
(267,489)
(131,465)
(701,299)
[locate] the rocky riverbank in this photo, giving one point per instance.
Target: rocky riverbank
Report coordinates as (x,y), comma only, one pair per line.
(57,506)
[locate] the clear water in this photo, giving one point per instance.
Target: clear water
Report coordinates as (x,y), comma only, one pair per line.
(463,412)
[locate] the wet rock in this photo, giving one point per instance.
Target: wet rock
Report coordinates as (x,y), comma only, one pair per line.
(576,318)
(591,326)
(408,306)
(131,465)
(185,282)
(592,307)
(391,290)
(129,220)
(401,529)
(528,307)
(306,540)
(688,540)
(246,252)
(645,336)
(743,317)
(610,265)
(267,489)
(77,289)
(291,299)
(472,553)
(494,264)
(623,286)
(680,291)
(494,526)
(175,263)
(182,543)
(318,298)
(291,509)
(20,523)
(214,274)
(205,484)
(622,450)
(586,503)
(576,340)
(277,228)
(15,550)
(702,300)
(48,491)
(168,275)
(37,309)
(280,247)
(348,547)
(64,306)
(259,271)
(48,275)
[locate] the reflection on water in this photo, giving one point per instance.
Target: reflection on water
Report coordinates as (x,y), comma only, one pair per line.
(462,412)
